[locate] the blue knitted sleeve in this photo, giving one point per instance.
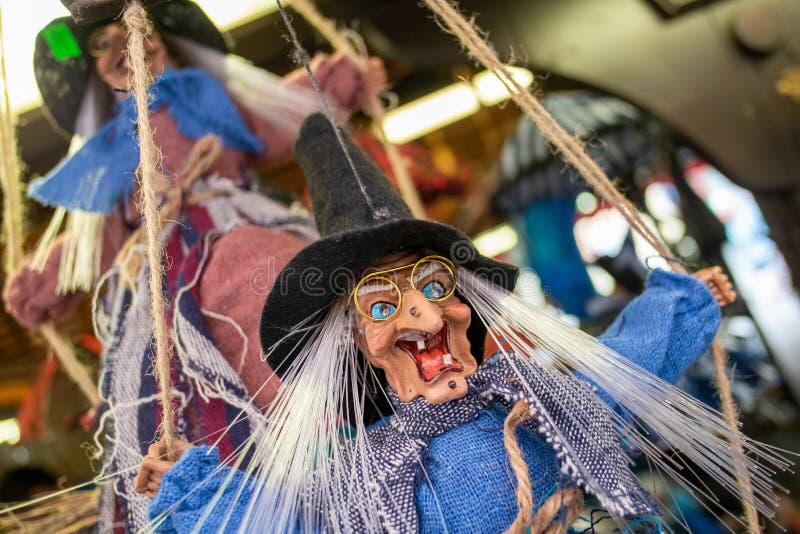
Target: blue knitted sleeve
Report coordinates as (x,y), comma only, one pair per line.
(666,328)
(191,486)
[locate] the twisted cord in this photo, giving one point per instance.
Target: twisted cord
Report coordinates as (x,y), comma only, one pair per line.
(571,149)
(519,414)
(148,174)
(558,512)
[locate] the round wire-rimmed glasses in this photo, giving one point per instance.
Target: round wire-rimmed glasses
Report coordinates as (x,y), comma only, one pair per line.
(378,298)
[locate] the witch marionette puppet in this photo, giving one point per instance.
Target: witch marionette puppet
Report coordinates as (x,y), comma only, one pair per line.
(214,116)
(389,418)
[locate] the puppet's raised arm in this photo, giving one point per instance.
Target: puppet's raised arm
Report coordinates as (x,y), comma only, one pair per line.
(344,84)
(667,327)
(30,296)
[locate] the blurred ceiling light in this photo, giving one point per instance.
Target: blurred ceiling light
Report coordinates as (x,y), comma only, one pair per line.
(496,241)
(23,20)
(232,13)
(492,91)
(9,431)
(431,112)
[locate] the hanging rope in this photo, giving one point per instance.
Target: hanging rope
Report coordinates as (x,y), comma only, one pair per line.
(519,414)
(559,511)
(571,149)
(373,106)
(10,174)
(148,175)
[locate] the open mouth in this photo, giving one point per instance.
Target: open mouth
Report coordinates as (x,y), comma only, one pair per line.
(431,353)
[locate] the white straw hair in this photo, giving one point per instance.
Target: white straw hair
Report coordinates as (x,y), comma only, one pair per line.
(302,473)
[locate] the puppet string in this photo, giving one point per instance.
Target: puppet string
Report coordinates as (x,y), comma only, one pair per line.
(519,414)
(10,174)
(373,106)
(139,27)
(573,152)
(306,62)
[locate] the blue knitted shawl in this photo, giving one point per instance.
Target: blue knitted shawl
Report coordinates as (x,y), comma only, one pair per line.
(101,173)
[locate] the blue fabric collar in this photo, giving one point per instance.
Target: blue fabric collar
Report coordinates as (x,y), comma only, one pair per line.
(101,173)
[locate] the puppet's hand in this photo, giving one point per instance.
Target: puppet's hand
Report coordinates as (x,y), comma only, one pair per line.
(30,296)
(155,465)
(719,284)
(375,77)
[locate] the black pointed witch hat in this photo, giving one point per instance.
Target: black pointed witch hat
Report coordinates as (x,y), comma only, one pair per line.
(361,218)
(63,65)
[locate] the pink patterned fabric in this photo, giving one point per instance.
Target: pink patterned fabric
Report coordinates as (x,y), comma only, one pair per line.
(258,255)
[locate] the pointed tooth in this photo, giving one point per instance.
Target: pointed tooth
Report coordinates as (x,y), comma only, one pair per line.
(420,344)
(448,359)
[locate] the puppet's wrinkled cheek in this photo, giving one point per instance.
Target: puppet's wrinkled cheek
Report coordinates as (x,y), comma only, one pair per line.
(380,339)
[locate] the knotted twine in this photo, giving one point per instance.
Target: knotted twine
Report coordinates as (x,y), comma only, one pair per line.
(373,106)
(546,520)
(571,149)
(148,175)
(10,176)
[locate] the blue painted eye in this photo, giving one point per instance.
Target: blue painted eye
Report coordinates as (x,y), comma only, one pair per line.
(434,290)
(382,310)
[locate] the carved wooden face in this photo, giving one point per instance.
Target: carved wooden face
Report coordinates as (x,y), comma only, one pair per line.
(414,328)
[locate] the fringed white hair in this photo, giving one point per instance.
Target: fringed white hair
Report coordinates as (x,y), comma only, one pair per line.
(81,249)
(653,409)
(305,473)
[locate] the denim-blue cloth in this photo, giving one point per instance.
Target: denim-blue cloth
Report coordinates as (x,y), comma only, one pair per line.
(101,173)
(467,482)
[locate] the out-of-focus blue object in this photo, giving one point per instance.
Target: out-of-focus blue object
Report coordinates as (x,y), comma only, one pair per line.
(553,253)
(538,190)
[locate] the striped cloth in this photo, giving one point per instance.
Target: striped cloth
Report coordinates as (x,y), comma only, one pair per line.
(210,394)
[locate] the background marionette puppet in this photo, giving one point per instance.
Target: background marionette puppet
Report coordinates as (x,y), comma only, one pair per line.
(389,418)
(214,116)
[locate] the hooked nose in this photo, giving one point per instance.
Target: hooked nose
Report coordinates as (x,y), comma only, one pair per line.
(418,313)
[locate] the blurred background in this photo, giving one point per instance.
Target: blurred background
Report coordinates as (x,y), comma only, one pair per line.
(692,106)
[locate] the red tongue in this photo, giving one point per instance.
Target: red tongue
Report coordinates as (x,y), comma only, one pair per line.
(430,359)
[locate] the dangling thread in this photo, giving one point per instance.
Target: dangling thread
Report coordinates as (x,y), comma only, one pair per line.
(139,27)
(373,106)
(572,151)
(10,175)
